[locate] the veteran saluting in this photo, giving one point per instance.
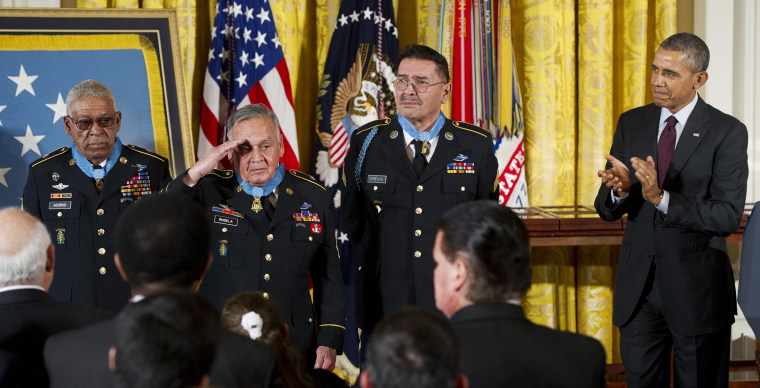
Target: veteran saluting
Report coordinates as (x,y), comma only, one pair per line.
(80,191)
(270,229)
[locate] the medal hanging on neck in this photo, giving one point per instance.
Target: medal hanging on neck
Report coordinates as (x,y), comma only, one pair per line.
(425,148)
(98,185)
(256,207)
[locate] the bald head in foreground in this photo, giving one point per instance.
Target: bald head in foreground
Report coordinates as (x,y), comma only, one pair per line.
(482,272)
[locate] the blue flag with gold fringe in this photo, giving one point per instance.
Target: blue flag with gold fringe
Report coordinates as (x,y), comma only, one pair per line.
(356,87)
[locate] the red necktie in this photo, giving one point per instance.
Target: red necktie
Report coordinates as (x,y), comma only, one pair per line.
(665,148)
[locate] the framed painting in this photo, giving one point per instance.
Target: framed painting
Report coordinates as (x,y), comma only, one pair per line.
(45,52)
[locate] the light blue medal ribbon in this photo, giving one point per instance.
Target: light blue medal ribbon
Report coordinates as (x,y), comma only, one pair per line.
(268,187)
(420,135)
(86,166)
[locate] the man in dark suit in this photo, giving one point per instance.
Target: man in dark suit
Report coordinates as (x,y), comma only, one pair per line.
(28,316)
(413,347)
(80,191)
(400,176)
(482,272)
(271,229)
(162,242)
(674,287)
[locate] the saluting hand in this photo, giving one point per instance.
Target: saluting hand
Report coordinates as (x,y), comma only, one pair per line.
(209,161)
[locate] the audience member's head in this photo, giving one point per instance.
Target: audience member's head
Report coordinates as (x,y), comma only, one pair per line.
(413,348)
(27,256)
(482,255)
(162,241)
(167,340)
(254,315)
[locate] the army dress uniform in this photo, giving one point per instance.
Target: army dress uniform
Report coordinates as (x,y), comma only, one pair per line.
(274,249)
(81,220)
(391,214)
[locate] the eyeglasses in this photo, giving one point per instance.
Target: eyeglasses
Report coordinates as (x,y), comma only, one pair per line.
(419,86)
(103,122)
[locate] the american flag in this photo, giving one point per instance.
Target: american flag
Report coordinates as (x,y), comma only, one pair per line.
(246,66)
(32,107)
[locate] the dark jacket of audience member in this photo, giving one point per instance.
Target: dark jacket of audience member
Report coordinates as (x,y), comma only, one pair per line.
(28,316)
(162,242)
(482,272)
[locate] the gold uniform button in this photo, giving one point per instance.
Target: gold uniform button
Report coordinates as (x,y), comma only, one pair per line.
(417,254)
(270,237)
(72,162)
(224,230)
(462,188)
(268,257)
(360,268)
(100,212)
(419,188)
(310,320)
(60,214)
(101,232)
(265,295)
(102,270)
(418,233)
(418,210)
(311,238)
(101,251)
(267,277)
(374,188)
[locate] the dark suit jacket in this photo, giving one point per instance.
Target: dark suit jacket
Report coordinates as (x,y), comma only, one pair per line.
(79,358)
(81,221)
(391,217)
(707,182)
(27,318)
(502,348)
(252,253)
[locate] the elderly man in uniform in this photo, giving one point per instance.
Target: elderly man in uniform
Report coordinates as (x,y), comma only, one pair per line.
(271,229)
(400,176)
(79,192)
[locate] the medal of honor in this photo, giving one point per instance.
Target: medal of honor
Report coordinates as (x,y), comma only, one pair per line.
(98,184)
(256,207)
(425,148)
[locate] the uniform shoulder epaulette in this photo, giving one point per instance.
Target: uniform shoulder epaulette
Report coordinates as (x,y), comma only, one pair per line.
(471,128)
(372,124)
(306,177)
(50,155)
(224,174)
(146,152)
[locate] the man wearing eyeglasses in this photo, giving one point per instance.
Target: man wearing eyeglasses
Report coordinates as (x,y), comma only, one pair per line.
(80,190)
(400,176)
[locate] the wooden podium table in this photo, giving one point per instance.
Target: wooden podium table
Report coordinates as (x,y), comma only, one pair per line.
(580,225)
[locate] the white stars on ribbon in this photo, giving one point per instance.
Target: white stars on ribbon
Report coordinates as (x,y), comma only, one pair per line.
(23,82)
(59,108)
(29,141)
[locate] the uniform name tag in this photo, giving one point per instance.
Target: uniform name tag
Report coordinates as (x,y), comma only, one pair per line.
(225,220)
(376,179)
(55,205)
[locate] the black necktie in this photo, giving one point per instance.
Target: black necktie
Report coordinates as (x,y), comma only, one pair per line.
(420,160)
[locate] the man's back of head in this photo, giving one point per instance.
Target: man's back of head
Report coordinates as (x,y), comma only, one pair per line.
(413,348)
(163,239)
(166,340)
(490,243)
(25,251)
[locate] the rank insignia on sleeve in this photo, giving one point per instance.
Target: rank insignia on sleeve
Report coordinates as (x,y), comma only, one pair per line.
(60,195)
(60,236)
(222,247)
(460,168)
(316,228)
(137,185)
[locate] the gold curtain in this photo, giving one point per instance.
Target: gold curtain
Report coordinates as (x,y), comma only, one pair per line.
(580,64)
